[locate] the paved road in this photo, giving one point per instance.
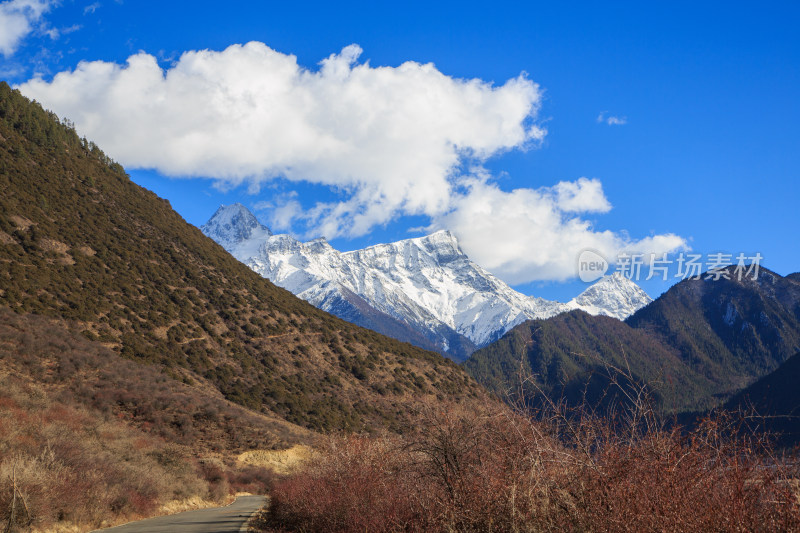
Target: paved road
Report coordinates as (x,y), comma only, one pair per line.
(228,519)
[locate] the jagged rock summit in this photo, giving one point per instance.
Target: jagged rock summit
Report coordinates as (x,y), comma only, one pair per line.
(424,290)
(235,224)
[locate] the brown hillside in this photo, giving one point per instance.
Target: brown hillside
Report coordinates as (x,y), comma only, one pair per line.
(81,242)
(89,438)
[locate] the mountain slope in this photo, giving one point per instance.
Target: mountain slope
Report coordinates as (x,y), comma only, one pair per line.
(700,342)
(94,439)
(427,286)
(732,331)
(81,242)
(58,358)
(574,356)
(776,397)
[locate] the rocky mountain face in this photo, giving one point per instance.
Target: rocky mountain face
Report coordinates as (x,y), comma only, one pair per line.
(424,290)
(698,343)
(235,226)
(141,365)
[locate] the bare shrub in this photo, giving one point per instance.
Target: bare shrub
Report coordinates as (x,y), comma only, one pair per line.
(69,466)
(355,484)
(252,479)
(90,438)
(553,469)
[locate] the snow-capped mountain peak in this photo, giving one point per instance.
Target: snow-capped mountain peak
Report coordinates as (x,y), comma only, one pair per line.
(233,224)
(613,295)
(427,285)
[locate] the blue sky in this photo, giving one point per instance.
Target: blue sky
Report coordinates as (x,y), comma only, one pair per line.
(704,149)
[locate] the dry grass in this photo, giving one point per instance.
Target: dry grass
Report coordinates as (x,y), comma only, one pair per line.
(193,503)
(75,469)
(278,461)
(20,222)
(72,467)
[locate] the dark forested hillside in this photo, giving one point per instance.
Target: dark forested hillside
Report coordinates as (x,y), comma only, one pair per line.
(576,355)
(697,344)
(79,241)
(776,398)
(731,331)
(77,371)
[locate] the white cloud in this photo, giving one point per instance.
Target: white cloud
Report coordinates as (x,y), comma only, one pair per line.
(584,195)
(55,33)
(91,8)
(389,138)
(611,120)
(282,211)
(536,234)
(388,141)
(17,19)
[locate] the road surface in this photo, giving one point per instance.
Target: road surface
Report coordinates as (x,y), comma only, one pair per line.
(228,519)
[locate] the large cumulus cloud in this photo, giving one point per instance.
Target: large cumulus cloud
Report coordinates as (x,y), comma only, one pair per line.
(391,141)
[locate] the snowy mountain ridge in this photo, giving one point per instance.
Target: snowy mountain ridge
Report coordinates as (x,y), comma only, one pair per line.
(426,283)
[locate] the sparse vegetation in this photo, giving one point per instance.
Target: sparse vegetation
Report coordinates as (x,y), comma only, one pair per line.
(125,336)
(72,466)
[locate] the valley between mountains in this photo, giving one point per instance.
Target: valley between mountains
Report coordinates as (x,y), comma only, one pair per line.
(147,366)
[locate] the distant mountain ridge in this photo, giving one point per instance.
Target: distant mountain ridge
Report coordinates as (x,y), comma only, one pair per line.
(423,290)
(698,343)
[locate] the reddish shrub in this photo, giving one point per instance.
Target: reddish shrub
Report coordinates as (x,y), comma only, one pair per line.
(357,484)
(495,471)
(253,479)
